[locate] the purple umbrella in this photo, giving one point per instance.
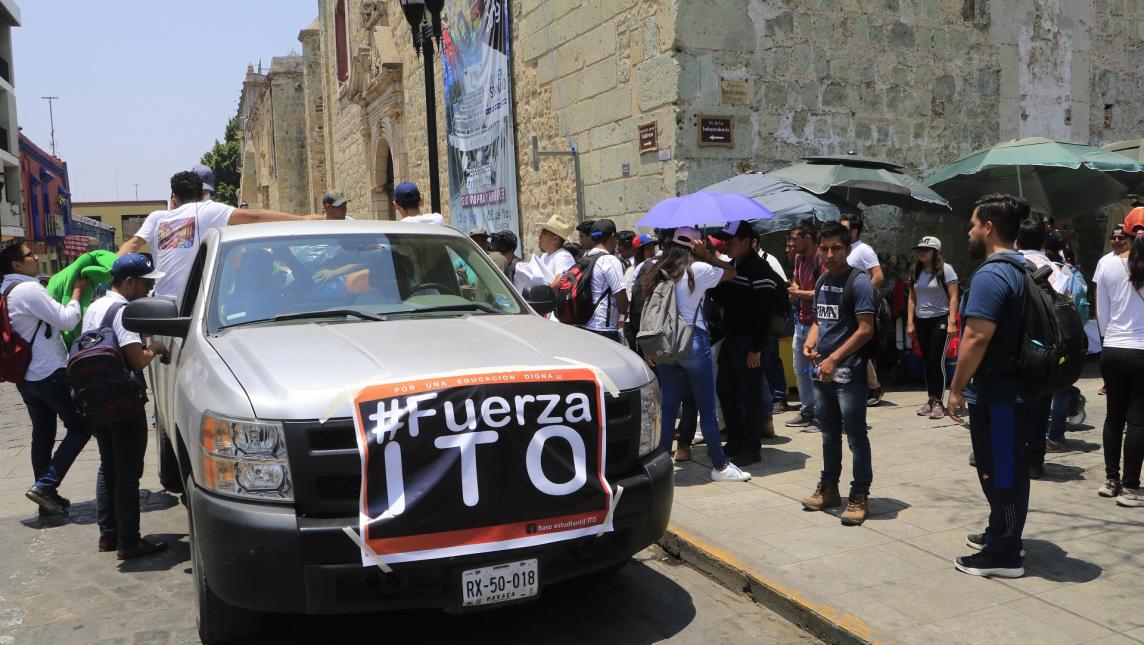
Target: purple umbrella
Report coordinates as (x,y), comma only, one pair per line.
(703,208)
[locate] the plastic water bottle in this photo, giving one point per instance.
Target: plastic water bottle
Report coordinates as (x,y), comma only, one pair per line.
(842,375)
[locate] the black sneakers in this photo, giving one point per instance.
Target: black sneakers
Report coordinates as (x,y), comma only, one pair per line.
(977,541)
(989,564)
(49,500)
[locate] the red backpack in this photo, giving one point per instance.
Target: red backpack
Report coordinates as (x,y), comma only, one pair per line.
(574,304)
(15,352)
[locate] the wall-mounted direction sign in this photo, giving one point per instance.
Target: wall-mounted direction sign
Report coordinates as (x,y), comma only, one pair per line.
(716,131)
(649,140)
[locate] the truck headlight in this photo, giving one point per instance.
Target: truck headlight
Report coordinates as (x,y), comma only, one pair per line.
(245,458)
(649,418)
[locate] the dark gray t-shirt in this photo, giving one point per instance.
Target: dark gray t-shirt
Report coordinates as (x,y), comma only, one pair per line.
(932,300)
(835,324)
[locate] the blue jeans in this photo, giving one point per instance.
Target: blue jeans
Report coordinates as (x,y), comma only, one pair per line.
(998,436)
(802,372)
(842,408)
(121,451)
(1063,401)
(773,366)
(47,399)
(696,374)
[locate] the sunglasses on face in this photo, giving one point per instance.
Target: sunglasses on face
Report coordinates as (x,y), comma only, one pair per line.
(1117,238)
(29,254)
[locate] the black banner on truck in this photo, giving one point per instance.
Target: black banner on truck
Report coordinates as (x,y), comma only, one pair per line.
(477,462)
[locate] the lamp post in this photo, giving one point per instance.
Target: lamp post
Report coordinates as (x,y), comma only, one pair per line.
(424,17)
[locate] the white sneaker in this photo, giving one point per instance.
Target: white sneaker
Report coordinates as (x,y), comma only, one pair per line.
(1130,497)
(730,473)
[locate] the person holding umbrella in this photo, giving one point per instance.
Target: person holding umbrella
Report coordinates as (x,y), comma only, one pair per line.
(694,269)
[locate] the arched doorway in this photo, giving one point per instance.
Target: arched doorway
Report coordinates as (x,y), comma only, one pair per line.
(382,189)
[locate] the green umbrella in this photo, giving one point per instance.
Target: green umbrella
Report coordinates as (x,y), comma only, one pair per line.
(861,180)
(1058,178)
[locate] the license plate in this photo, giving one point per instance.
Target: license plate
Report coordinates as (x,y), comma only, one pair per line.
(499,583)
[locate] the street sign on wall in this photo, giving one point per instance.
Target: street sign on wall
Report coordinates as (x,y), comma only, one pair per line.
(716,131)
(478,116)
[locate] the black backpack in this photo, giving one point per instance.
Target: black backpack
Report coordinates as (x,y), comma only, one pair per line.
(574,304)
(882,321)
(105,391)
(1053,341)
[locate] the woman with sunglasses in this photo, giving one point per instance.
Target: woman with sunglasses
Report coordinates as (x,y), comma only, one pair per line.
(1120,314)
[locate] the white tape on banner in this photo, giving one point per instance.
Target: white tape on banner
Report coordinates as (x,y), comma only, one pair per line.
(611,510)
(366,551)
(604,379)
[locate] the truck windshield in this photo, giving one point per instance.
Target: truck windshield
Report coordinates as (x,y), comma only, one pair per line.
(355,277)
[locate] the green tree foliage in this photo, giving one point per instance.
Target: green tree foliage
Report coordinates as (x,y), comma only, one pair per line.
(223,158)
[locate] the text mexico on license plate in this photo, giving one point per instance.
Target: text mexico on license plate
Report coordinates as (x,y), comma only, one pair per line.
(460,464)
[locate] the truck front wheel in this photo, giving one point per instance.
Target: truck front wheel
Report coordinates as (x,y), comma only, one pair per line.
(218,621)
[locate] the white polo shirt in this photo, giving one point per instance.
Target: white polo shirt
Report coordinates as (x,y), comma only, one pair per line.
(607,278)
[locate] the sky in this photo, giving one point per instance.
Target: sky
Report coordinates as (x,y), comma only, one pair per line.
(145,86)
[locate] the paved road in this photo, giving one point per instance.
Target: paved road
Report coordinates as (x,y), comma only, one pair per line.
(56,588)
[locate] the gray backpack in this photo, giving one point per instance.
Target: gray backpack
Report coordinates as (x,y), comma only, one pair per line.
(662,336)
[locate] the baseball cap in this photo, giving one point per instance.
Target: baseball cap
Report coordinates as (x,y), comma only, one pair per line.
(335,198)
(478,231)
(686,236)
(641,240)
(602,228)
(407,194)
(135,265)
(928,242)
(735,228)
(207,176)
(1134,221)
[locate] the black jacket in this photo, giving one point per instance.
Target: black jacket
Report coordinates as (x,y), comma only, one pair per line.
(750,300)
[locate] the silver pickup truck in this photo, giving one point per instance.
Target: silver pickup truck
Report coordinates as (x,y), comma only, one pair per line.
(280,327)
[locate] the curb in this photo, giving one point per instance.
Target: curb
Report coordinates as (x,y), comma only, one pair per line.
(826,622)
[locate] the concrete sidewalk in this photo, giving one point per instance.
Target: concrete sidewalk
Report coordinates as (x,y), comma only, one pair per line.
(892,579)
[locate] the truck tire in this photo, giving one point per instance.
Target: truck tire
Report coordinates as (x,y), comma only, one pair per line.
(217,621)
(169,475)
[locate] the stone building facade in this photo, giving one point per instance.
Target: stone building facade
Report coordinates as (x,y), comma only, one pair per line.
(916,82)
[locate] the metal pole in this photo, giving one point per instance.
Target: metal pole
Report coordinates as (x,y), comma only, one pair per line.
(431,116)
(579,185)
(52,120)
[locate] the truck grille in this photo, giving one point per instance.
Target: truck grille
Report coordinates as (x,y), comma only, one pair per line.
(327,471)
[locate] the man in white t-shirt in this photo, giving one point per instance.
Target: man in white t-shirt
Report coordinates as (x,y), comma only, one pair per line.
(123,442)
(175,235)
(863,258)
(607,273)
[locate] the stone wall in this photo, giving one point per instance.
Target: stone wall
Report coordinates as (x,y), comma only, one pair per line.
(290,191)
(314,125)
(588,74)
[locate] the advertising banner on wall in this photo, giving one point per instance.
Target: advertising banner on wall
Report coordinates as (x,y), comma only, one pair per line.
(477,462)
(478,116)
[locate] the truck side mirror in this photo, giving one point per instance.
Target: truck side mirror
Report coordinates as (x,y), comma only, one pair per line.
(542,298)
(156,316)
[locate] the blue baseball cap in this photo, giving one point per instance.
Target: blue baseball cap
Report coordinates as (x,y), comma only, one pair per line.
(207,176)
(641,240)
(407,194)
(135,265)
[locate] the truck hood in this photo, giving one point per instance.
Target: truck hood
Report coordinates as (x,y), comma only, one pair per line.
(299,370)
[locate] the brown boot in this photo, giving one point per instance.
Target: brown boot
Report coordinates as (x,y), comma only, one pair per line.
(769,430)
(825,496)
(107,543)
(856,508)
(140,549)
(682,453)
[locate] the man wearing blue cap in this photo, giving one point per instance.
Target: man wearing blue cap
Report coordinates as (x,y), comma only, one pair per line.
(122,446)
(407,203)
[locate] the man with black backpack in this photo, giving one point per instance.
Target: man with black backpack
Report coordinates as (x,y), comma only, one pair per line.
(106,369)
(591,294)
(34,356)
(845,308)
(987,378)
